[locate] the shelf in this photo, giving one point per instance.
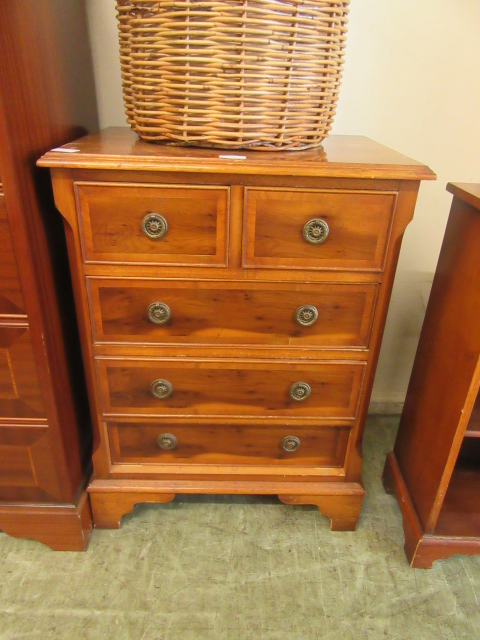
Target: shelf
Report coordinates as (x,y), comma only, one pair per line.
(460,514)
(473,428)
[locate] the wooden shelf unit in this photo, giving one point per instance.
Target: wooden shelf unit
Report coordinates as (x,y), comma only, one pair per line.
(434,469)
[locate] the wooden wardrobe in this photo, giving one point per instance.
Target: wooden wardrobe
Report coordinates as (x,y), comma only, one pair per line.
(46,99)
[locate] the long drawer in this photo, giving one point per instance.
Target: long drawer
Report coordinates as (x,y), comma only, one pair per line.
(243,445)
(236,313)
(317,229)
(135,223)
(188,387)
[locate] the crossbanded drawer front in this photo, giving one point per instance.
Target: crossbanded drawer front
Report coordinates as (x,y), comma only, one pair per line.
(153,223)
(317,229)
(187,387)
(323,446)
(208,313)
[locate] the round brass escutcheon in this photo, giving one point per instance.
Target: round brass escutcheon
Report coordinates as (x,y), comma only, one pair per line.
(306,315)
(316,231)
(154,226)
(167,441)
(158,313)
(300,391)
(161,388)
(290,443)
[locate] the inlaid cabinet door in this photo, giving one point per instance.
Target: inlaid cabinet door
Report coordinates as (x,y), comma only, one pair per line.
(26,469)
(20,395)
(11,299)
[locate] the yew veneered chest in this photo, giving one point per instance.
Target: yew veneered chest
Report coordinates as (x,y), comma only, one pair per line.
(231,311)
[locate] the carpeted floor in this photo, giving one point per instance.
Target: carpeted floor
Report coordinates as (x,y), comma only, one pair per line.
(235,569)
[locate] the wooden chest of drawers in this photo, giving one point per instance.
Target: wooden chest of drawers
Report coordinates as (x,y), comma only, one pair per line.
(231,309)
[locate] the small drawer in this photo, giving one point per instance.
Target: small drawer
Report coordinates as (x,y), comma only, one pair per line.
(317,229)
(233,313)
(11,298)
(20,395)
(188,387)
(232,445)
(145,223)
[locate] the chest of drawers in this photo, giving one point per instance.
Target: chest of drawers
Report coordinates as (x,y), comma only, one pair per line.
(231,310)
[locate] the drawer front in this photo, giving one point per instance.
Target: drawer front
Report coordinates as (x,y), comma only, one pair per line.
(320,315)
(317,229)
(11,299)
(20,395)
(153,223)
(243,445)
(228,388)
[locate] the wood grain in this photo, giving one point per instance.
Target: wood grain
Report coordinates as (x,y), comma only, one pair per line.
(232,445)
(354,157)
(229,388)
(111,218)
(11,298)
(359,223)
(231,313)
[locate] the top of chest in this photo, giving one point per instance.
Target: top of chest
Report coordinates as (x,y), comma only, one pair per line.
(118,148)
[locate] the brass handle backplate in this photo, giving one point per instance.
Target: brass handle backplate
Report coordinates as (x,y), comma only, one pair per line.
(290,443)
(154,226)
(158,313)
(316,231)
(167,441)
(161,388)
(306,315)
(300,391)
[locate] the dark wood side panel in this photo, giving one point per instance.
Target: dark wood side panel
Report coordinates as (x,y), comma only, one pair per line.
(445,363)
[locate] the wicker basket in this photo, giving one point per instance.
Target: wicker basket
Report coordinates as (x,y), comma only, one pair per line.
(232,74)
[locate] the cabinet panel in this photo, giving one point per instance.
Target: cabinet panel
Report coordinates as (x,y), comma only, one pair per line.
(11,299)
(20,395)
(26,463)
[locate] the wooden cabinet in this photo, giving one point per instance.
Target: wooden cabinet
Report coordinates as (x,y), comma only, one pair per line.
(231,310)
(46,99)
(434,469)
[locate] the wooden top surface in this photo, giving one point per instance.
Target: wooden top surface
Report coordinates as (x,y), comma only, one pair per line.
(468,192)
(339,156)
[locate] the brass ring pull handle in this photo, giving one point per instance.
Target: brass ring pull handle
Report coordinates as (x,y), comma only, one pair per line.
(154,226)
(300,391)
(158,313)
(290,444)
(161,389)
(316,231)
(167,441)
(306,315)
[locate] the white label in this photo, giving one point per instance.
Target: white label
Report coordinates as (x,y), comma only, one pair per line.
(66,149)
(233,157)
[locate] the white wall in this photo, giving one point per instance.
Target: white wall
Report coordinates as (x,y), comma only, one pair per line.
(411,82)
